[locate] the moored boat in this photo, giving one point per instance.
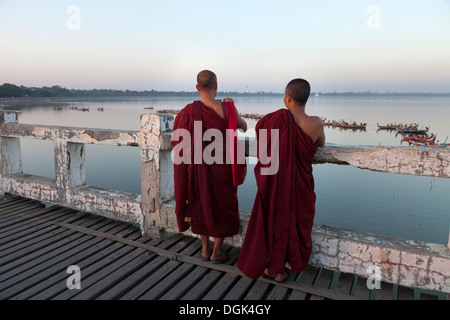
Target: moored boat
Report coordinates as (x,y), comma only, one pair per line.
(420,139)
(413,130)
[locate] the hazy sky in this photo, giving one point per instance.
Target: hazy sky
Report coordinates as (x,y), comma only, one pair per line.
(345,45)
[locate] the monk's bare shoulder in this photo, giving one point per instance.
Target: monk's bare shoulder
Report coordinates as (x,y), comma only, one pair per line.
(317,129)
(316,121)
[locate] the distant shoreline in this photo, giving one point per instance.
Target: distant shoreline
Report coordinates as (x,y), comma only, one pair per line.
(12,92)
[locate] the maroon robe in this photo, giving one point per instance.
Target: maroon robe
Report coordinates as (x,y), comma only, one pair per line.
(280,225)
(205,196)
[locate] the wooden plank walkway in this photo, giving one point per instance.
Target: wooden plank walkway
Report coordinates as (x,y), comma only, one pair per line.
(38,244)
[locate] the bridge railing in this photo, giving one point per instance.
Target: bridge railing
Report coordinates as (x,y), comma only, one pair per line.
(405,262)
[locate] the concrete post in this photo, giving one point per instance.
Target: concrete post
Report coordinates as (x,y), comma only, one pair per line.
(10,151)
(69,166)
(156,171)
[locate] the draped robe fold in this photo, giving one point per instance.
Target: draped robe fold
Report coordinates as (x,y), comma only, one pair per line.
(205,196)
(279,230)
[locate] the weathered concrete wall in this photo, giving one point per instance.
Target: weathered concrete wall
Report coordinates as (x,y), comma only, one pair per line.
(420,161)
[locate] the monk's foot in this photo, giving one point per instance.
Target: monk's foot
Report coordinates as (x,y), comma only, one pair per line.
(219,258)
(205,254)
(281,277)
(267,275)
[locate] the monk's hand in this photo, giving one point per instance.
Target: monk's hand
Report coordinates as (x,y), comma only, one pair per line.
(228,100)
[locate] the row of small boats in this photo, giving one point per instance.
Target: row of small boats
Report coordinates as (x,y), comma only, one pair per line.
(77,109)
(344,124)
(414,135)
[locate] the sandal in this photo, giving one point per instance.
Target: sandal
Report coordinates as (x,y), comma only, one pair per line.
(266,276)
(284,279)
(273,277)
(220,260)
(203,258)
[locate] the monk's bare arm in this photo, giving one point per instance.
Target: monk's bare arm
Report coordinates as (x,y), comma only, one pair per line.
(320,132)
(242,124)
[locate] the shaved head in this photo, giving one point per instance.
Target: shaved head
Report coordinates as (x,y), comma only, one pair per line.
(206,79)
(299,90)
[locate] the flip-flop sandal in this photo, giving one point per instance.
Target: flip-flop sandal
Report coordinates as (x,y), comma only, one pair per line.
(220,261)
(266,276)
(284,279)
(203,258)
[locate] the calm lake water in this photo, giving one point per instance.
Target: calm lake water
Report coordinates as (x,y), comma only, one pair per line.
(409,207)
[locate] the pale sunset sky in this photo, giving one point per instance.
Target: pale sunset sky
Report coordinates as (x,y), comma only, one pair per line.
(346,45)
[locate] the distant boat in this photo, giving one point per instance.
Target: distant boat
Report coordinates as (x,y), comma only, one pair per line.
(431,144)
(387,127)
(316,95)
(149,108)
(420,139)
(413,130)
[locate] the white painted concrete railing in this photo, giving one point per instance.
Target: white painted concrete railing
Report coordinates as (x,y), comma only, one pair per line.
(405,262)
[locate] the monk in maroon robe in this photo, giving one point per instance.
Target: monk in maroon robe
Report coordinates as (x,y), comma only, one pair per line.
(205,195)
(279,230)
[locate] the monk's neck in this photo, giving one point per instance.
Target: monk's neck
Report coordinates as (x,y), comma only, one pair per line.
(209,101)
(298,111)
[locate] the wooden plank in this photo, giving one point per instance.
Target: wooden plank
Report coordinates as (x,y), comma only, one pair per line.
(88,266)
(203,286)
(169,274)
(29,248)
(51,236)
(220,289)
(25,278)
(386,291)
(360,288)
(111,276)
(405,293)
(56,237)
(151,268)
(57,283)
(5,204)
(308,276)
(323,281)
(239,289)
(11,233)
(14,200)
(92,269)
(258,291)
(25,241)
(18,214)
(185,284)
(345,283)
(282,293)
(219,286)
(427,296)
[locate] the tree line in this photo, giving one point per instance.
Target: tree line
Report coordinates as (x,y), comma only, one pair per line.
(9,90)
